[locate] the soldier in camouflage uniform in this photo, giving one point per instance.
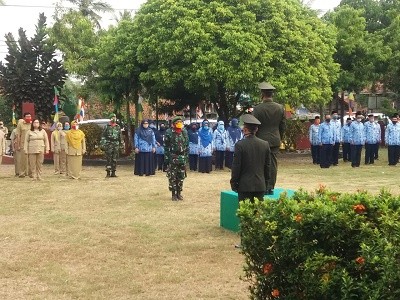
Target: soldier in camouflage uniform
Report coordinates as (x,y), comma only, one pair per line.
(176,145)
(110,143)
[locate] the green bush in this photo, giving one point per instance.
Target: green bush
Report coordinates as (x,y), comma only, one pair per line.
(93,134)
(322,245)
(294,129)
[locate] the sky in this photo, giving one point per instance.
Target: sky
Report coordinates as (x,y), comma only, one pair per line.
(25,13)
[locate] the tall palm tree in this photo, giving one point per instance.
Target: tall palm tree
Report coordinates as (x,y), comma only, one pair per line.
(91,8)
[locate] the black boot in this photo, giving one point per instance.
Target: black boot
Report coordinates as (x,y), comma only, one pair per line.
(108,173)
(113,174)
(179,196)
(174,198)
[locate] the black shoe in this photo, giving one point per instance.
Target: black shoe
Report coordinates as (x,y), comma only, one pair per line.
(174,197)
(113,174)
(108,174)
(270,192)
(179,196)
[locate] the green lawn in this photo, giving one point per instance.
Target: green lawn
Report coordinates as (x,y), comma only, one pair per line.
(123,238)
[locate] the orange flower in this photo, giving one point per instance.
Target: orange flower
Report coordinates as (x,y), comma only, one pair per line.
(275,293)
(359,208)
(333,198)
(267,268)
(360,260)
(298,218)
(322,188)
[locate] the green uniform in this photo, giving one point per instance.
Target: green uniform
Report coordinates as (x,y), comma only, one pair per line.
(250,167)
(110,143)
(272,118)
(176,147)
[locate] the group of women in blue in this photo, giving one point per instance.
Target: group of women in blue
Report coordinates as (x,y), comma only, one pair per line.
(204,141)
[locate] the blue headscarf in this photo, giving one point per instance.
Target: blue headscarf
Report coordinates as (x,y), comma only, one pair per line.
(145,133)
(234,130)
(205,135)
(221,126)
(193,134)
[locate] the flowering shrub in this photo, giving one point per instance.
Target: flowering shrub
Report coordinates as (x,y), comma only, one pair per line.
(322,245)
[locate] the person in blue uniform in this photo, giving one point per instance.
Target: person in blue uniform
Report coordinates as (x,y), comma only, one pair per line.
(206,147)
(357,140)
(193,134)
(338,139)
(392,140)
(160,153)
(346,141)
(219,139)
(313,137)
(145,147)
(326,137)
(371,139)
(233,135)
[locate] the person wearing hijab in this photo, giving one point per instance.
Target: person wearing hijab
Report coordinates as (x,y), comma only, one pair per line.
(36,144)
(193,134)
(206,147)
(176,156)
(153,127)
(58,145)
(145,147)
(233,135)
(219,140)
(76,148)
(160,135)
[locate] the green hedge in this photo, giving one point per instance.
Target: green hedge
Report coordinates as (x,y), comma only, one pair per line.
(322,245)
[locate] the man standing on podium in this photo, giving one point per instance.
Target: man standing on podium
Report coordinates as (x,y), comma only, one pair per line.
(251,163)
(272,118)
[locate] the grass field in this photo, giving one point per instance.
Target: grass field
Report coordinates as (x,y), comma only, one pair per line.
(123,238)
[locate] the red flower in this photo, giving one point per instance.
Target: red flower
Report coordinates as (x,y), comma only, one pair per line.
(333,198)
(359,208)
(360,260)
(275,293)
(267,268)
(298,218)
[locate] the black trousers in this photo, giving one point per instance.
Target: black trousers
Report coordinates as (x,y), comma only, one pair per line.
(325,156)
(335,154)
(228,159)
(376,152)
(393,154)
(193,159)
(346,152)
(219,159)
(369,153)
(160,162)
(356,155)
(315,152)
(251,196)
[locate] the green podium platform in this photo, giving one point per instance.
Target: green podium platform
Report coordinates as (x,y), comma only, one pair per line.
(229,205)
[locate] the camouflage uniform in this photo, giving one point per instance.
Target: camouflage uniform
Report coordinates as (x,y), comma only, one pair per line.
(176,157)
(110,143)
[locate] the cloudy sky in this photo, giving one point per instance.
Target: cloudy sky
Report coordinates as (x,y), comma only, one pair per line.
(24,13)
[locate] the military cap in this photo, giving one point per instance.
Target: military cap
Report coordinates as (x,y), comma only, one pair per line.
(112,115)
(266,86)
(250,119)
(177,118)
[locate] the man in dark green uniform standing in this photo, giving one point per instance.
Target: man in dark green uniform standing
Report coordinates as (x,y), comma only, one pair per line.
(272,118)
(110,144)
(251,163)
(176,151)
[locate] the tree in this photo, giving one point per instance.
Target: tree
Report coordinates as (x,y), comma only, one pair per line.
(218,49)
(75,35)
(31,70)
(90,9)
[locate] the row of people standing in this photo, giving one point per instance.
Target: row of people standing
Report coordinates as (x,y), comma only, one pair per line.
(326,138)
(203,142)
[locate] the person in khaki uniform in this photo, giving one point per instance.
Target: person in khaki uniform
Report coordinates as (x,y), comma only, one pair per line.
(58,146)
(76,147)
(22,129)
(35,146)
(272,118)
(16,154)
(67,127)
(4,129)
(2,145)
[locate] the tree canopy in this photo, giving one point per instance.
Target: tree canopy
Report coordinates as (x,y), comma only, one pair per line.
(31,70)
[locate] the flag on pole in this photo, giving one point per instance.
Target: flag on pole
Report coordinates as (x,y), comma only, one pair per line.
(55,103)
(14,119)
(80,110)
